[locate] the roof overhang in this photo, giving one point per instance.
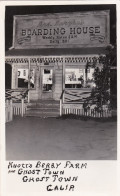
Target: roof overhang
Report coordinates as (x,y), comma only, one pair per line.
(55,52)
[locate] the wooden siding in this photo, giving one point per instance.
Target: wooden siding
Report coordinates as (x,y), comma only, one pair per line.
(58,81)
(34,95)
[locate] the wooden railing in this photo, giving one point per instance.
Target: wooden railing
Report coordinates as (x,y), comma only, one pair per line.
(71,102)
(8,111)
(76,95)
(61,102)
(19,109)
(87,112)
(16,95)
(15,103)
(13,109)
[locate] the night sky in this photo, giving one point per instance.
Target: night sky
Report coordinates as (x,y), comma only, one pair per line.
(25,10)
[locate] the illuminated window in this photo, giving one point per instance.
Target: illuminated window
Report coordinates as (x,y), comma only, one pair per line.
(22,78)
(47,80)
(79,78)
(74,78)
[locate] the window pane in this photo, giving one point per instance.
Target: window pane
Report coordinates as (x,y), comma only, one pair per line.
(23,78)
(74,78)
(47,79)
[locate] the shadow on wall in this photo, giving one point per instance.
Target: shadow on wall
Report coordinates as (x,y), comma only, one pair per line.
(8,76)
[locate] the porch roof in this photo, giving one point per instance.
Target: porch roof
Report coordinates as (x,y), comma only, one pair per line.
(55,51)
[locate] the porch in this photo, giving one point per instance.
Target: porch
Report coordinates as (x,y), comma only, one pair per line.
(71,102)
(60,78)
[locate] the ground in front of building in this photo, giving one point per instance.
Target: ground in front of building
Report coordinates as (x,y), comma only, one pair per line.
(32,138)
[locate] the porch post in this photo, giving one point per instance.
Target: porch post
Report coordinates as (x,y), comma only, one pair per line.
(84,77)
(60,107)
(22,107)
(28,80)
(63,75)
(11,110)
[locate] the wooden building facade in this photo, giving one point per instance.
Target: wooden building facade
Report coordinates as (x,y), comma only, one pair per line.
(50,53)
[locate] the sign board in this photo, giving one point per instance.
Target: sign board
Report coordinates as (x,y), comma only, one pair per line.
(66,30)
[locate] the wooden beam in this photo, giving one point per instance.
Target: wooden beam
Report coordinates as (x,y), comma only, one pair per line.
(29,79)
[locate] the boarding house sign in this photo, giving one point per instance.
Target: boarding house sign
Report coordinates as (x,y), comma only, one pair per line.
(68,30)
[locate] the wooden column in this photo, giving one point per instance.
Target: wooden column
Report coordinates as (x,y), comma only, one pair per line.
(29,80)
(22,101)
(84,77)
(63,76)
(13,77)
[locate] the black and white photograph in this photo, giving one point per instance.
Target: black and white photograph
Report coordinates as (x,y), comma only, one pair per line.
(61,82)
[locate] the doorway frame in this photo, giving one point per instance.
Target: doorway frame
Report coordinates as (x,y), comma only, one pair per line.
(49,95)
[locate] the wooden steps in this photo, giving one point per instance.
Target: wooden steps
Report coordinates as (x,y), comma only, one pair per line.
(43,109)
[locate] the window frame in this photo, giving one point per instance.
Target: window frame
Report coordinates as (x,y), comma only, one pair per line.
(80,66)
(25,68)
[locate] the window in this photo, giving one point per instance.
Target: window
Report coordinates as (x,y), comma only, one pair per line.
(47,81)
(74,78)
(79,77)
(22,78)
